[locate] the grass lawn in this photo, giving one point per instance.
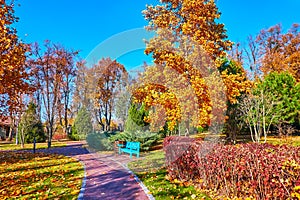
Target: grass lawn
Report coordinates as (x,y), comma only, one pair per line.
(290,140)
(13,146)
(152,173)
(24,175)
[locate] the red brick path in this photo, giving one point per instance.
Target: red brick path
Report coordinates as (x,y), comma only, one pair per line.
(106,179)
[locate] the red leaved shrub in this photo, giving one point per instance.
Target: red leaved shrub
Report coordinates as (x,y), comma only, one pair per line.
(59,136)
(260,171)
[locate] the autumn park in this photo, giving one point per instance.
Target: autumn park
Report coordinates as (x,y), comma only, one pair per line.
(208,119)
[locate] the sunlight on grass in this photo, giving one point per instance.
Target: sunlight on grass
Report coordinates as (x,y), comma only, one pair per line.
(30,146)
(25,175)
(163,189)
(150,169)
(290,140)
(150,161)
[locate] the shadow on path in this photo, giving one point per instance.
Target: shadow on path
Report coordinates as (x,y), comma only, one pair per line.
(106,178)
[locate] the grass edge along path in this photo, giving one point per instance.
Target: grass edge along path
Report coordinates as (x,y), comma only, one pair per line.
(151,171)
(24,175)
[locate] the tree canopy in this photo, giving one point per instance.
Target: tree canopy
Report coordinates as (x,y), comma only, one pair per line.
(14,76)
(188,49)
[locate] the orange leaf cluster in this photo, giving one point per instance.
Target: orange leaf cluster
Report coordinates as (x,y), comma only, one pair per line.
(13,74)
(111,77)
(279,51)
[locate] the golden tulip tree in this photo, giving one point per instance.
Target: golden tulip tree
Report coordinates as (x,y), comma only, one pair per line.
(186,50)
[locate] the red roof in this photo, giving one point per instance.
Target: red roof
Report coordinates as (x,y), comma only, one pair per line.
(6,121)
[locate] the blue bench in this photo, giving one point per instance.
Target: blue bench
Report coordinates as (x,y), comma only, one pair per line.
(131,148)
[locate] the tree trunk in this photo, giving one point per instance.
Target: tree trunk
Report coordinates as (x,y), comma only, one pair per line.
(66,121)
(49,143)
(66,101)
(22,138)
(187,129)
(10,135)
(17,136)
(50,132)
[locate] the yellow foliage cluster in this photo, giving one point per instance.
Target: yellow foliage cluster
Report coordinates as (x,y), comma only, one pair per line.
(185,79)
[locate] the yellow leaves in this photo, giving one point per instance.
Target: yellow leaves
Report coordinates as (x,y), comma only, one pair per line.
(297,188)
(291,164)
(75,192)
(38,175)
(186,22)
(186,28)
(236,84)
(176,181)
(296,195)
(187,96)
(153,95)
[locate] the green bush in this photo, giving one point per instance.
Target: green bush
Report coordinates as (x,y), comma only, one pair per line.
(109,134)
(74,135)
(99,141)
(146,138)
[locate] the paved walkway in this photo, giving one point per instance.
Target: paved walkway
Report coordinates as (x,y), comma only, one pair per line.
(106,175)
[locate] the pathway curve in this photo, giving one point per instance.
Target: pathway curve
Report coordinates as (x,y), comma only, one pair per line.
(106,175)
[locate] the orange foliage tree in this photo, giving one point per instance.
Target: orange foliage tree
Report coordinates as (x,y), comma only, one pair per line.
(187,52)
(84,87)
(275,51)
(13,73)
(111,78)
(54,71)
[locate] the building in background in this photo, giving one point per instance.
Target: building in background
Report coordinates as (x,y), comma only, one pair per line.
(4,128)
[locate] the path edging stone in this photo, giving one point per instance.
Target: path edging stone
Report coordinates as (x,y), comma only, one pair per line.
(83,185)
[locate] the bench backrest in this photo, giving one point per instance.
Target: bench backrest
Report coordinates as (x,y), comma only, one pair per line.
(133,145)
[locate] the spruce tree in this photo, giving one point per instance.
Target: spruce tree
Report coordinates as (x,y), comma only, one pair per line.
(30,126)
(83,123)
(135,120)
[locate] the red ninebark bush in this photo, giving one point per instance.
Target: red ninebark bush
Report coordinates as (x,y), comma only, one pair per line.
(260,171)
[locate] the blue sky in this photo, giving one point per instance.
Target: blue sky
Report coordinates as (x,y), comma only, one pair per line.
(114,28)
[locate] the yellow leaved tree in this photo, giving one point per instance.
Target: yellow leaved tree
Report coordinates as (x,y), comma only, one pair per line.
(185,81)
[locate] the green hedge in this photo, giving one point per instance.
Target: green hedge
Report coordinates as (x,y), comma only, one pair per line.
(146,138)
